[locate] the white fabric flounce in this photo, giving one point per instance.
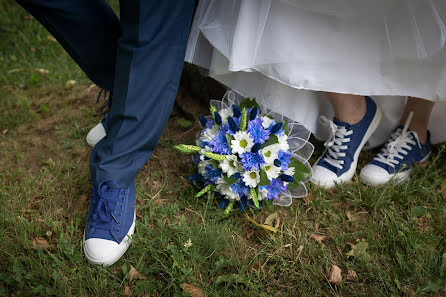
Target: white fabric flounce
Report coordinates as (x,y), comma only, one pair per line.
(285,50)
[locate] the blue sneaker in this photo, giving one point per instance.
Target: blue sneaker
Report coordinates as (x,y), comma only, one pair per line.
(393,163)
(98,132)
(340,158)
(110,223)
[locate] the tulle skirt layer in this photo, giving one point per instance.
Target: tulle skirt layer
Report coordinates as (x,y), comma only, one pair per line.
(286,51)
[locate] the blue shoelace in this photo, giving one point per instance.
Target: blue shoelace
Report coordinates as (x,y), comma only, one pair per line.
(108,208)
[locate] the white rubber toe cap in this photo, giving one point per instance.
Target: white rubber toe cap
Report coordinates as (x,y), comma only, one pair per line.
(374,175)
(323,177)
(95,135)
(106,252)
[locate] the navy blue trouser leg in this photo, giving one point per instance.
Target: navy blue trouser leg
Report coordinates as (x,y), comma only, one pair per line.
(139,57)
(87,29)
(149,61)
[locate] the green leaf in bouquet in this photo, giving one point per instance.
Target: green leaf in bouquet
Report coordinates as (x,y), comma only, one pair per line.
(214,156)
(204,191)
(184,123)
(187,149)
(244,120)
(273,139)
(254,197)
(212,109)
(264,181)
(214,163)
(229,138)
(301,171)
(250,103)
(230,180)
(287,130)
(229,207)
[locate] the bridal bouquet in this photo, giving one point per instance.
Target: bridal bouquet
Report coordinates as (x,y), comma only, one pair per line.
(246,154)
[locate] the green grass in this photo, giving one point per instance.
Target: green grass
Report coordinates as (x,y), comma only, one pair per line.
(44,193)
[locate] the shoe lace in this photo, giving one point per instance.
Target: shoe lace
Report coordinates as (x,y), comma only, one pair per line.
(108,202)
(398,145)
(336,143)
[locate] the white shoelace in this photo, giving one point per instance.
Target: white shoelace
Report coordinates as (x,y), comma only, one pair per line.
(336,143)
(398,145)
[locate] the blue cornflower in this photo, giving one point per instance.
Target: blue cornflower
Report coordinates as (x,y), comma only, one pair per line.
(203,143)
(212,174)
(275,189)
(240,188)
(256,130)
(220,144)
(285,159)
(210,123)
(252,161)
(197,158)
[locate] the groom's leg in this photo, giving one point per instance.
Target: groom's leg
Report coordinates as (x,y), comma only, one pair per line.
(149,62)
(87,29)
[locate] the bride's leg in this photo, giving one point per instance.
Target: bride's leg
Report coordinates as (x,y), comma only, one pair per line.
(421,114)
(347,108)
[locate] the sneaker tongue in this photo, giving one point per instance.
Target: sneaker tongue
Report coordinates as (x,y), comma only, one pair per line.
(339,123)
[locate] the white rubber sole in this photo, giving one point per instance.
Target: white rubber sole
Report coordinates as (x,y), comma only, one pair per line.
(95,135)
(121,248)
(395,178)
(348,175)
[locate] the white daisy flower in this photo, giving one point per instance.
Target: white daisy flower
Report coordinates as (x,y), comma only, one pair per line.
(226,190)
(225,113)
(242,142)
(209,134)
(272,171)
(202,165)
(283,142)
(290,171)
(230,165)
(266,122)
(251,178)
(270,153)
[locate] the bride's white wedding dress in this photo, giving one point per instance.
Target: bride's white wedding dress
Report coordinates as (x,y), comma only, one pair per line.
(287,51)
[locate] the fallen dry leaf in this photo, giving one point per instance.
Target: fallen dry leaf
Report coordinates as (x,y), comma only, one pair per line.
(41,243)
(350,217)
(265,228)
(192,290)
(269,220)
(335,277)
(277,225)
(351,275)
(90,87)
(127,291)
(4,132)
(134,274)
(42,71)
(318,238)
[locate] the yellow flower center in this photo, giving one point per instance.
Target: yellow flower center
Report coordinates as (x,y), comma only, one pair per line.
(243,143)
(268,154)
(267,168)
(253,175)
(232,163)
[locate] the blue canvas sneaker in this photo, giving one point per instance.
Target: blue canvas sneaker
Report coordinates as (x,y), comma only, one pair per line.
(340,158)
(110,223)
(393,163)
